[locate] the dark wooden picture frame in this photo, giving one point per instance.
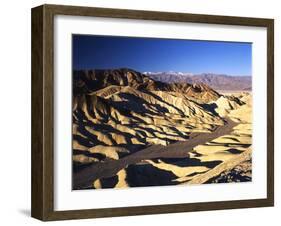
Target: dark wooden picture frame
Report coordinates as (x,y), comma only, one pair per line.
(43,109)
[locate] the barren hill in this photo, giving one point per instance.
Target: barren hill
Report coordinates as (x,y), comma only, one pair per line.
(89,81)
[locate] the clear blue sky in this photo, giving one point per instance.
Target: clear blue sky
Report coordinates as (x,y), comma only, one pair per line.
(153,54)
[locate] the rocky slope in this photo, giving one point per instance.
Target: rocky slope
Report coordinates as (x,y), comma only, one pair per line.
(86,82)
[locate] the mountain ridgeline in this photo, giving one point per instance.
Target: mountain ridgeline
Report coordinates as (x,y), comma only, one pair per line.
(216,81)
(89,81)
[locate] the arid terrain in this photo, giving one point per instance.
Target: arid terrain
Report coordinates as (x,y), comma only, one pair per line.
(130,130)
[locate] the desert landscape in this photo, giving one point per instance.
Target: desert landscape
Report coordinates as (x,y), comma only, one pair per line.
(134,129)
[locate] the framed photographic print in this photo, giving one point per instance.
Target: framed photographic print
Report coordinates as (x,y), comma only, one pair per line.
(141,112)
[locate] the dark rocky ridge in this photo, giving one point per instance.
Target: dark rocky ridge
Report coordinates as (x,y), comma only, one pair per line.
(89,81)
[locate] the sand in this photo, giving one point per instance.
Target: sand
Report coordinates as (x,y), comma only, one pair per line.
(138,138)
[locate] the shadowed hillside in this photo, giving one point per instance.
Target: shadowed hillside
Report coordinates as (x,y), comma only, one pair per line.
(86,82)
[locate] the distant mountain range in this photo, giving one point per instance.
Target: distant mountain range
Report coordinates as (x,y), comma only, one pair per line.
(215,81)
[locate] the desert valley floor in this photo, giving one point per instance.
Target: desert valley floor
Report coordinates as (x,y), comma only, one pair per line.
(130,131)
